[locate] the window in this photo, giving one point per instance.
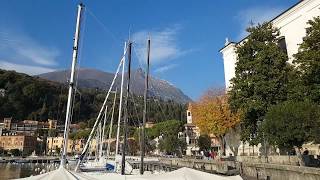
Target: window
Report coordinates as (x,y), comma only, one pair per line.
(189,113)
(282,44)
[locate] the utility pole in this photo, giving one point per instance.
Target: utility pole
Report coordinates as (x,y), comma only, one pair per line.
(123,161)
(142,136)
(71,86)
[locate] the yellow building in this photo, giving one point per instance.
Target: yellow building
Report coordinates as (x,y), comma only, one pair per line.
(55,144)
(52,124)
(25,144)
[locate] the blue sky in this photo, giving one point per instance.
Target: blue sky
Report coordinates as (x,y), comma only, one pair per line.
(36,36)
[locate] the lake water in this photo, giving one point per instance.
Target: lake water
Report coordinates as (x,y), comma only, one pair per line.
(14,170)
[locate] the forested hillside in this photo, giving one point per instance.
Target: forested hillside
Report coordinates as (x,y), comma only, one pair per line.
(27,97)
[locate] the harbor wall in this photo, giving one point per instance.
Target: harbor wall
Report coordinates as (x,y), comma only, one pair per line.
(278,172)
(282,160)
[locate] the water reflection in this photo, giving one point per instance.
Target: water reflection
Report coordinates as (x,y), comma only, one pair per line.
(15,170)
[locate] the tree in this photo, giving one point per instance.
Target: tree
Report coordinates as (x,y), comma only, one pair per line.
(172,145)
(82,125)
(57,150)
(52,132)
(291,124)
(3,152)
(81,134)
(307,61)
(212,114)
(133,147)
(37,99)
(261,78)
(15,152)
(233,140)
(169,127)
(204,142)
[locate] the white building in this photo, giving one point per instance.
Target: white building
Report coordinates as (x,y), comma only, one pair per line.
(191,134)
(292,24)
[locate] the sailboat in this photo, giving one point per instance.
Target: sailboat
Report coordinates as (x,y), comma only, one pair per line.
(124,167)
(62,173)
(103,164)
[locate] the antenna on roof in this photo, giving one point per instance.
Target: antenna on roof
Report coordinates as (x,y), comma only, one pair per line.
(227,41)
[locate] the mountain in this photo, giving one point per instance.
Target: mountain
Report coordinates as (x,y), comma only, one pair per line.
(92,78)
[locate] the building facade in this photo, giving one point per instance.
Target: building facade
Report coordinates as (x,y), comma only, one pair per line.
(26,144)
(27,127)
(191,134)
(55,144)
(292,25)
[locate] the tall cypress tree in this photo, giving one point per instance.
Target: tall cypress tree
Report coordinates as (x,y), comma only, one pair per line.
(261,77)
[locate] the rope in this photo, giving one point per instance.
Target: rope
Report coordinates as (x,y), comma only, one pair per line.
(104,27)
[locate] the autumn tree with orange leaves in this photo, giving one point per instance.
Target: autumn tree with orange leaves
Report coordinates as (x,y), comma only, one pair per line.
(213,116)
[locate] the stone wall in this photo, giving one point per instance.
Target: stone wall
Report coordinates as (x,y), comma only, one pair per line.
(211,166)
(278,172)
(282,160)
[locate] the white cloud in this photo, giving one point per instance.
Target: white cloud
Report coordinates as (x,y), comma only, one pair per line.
(28,69)
(38,55)
(23,53)
(164,45)
(255,15)
(165,68)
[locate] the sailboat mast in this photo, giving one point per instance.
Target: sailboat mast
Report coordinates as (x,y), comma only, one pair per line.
(71,85)
(102,132)
(123,161)
(97,142)
(120,103)
(142,137)
(111,123)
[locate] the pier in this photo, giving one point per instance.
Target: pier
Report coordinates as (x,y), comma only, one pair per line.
(40,159)
(170,164)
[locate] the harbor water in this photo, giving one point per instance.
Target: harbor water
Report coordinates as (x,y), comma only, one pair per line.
(21,170)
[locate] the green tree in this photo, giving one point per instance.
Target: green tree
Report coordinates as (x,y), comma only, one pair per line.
(82,125)
(52,132)
(291,124)
(204,143)
(57,150)
(172,145)
(81,134)
(170,127)
(306,80)
(261,78)
(3,152)
(37,99)
(15,152)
